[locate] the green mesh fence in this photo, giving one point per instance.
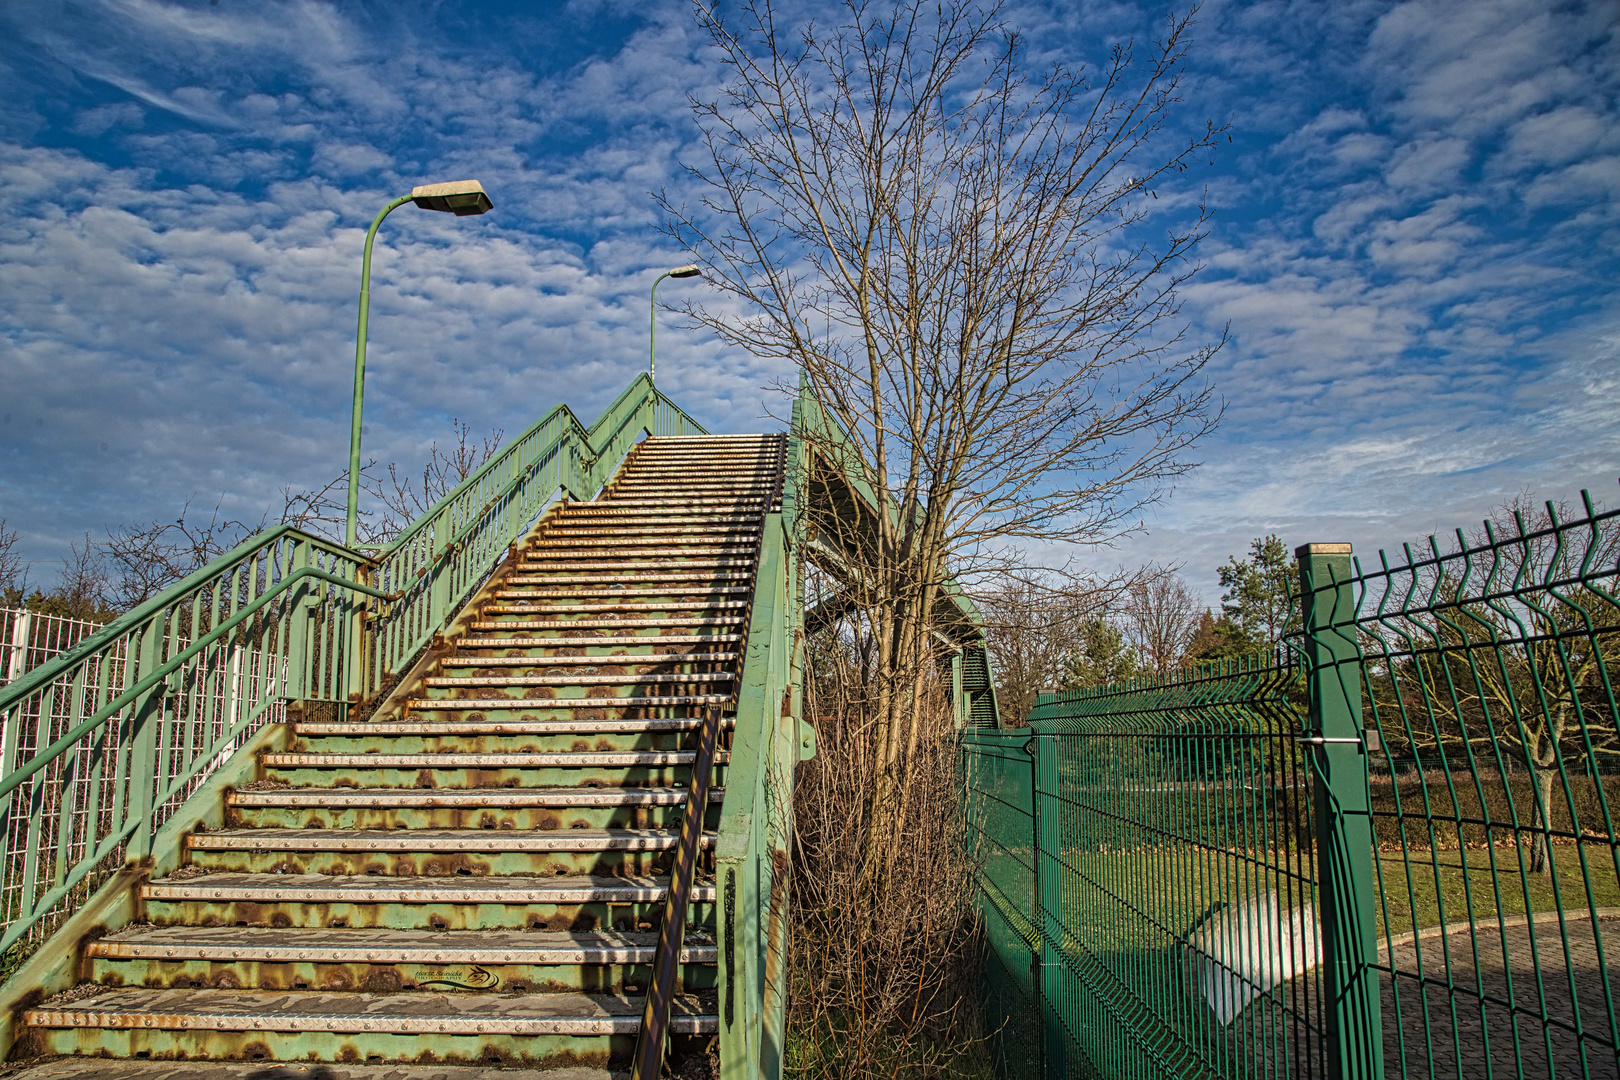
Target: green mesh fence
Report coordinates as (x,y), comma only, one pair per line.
(1387,851)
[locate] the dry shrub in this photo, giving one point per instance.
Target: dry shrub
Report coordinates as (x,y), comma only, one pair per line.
(884,967)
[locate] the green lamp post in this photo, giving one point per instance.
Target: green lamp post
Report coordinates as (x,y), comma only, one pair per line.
(461,198)
(652,316)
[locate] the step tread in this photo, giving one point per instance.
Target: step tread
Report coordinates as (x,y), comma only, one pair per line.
(348,1013)
(485,759)
(579,680)
(689,657)
(425,840)
(435,798)
(384,946)
(99,1068)
(373,889)
(590,642)
(647,702)
(501,727)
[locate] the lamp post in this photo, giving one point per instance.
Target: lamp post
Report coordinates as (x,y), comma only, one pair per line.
(652,316)
(461,198)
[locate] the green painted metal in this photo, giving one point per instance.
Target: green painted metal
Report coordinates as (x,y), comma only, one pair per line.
(1338,756)
(756,819)
(352,507)
(1387,850)
(133,719)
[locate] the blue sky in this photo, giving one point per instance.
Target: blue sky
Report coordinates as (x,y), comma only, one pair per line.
(1414,246)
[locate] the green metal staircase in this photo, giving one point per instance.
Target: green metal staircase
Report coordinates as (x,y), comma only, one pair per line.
(463,861)
(477,879)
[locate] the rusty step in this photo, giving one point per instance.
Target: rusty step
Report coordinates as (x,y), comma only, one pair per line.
(580,680)
(441,728)
(471,841)
(618,591)
(624,582)
(482,759)
(600,609)
(591,642)
(371,889)
(364,945)
(356,1013)
(501,798)
(623,659)
(606,624)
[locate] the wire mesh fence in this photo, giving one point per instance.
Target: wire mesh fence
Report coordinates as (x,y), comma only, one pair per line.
(1388,850)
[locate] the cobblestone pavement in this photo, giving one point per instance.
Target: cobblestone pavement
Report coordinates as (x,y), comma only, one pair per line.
(1507,979)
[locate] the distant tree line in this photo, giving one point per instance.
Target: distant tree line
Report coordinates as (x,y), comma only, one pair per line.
(1050,630)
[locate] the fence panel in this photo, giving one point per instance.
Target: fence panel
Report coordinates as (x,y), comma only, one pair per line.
(1489,678)
(1391,855)
(998,777)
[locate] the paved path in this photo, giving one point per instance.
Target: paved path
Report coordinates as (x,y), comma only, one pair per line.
(1475,1029)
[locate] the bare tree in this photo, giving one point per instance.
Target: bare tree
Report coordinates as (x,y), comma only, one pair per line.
(1033,621)
(1160,615)
(402,498)
(82,593)
(963,262)
(146,559)
(13,567)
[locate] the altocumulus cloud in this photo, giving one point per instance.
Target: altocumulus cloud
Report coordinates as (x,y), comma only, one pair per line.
(1412,248)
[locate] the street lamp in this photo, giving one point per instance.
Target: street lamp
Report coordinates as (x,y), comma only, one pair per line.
(652,316)
(461,198)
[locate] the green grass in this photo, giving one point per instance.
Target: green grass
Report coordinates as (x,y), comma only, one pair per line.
(1415,885)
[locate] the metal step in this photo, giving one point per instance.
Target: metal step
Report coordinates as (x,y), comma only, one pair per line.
(380,946)
(343,889)
(102,1068)
(437,840)
(478,759)
(355,1013)
(606,624)
(629,572)
(617,593)
(590,642)
(502,798)
(630,548)
(620,659)
(579,680)
(595,609)
(627,576)
(503,727)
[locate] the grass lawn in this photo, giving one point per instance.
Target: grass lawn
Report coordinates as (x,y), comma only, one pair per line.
(1415,887)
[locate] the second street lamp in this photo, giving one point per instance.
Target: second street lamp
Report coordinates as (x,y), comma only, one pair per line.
(459,197)
(652,316)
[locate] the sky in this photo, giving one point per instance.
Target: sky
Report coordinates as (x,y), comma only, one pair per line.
(1413,250)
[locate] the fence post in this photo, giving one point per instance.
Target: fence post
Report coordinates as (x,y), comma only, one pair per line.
(1049,898)
(1344,834)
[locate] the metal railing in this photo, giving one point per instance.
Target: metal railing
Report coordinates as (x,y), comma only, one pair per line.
(1391,852)
(104,743)
(756,819)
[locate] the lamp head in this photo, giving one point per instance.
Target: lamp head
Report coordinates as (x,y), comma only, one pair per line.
(459,197)
(691,270)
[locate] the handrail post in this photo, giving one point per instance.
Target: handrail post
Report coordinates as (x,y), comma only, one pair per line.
(1344,833)
(439,575)
(146,717)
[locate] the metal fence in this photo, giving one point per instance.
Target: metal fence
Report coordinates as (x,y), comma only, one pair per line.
(1387,850)
(74,800)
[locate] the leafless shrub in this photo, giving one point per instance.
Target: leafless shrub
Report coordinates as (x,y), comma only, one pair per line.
(883,973)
